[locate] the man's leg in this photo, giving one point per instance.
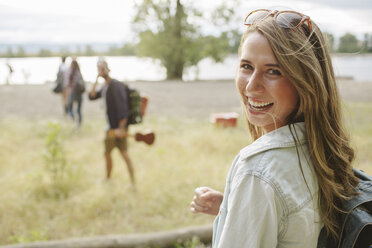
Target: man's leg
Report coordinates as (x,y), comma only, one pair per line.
(109,145)
(108,164)
(122,144)
(129,166)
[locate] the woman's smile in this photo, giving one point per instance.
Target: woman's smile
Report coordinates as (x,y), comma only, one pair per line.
(259,106)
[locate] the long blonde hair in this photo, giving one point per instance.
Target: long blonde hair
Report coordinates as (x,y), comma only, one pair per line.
(304,57)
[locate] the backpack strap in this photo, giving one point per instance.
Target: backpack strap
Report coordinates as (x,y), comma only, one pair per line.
(364,190)
(322,240)
(362,175)
(356,225)
(356,217)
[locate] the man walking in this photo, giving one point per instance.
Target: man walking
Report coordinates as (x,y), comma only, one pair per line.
(115,98)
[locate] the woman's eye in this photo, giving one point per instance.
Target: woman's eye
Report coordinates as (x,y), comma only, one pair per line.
(274,72)
(246,66)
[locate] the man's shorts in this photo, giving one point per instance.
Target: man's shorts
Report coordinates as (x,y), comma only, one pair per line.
(111,143)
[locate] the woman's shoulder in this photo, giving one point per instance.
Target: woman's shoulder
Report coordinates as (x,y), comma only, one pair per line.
(289,173)
(273,162)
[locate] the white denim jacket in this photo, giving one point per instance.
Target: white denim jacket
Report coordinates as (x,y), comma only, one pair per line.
(267,202)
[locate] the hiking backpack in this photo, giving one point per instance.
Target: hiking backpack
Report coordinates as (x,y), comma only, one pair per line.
(135,105)
(356,221)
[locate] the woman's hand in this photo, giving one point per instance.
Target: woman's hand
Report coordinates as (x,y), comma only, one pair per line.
(206,200)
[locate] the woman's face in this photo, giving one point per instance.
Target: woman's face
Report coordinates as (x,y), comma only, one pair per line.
(267,94)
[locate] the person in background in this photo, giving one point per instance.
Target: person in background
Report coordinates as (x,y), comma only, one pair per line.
(62,82)
(11,70)
(74,90)
(284,187)
(115,98)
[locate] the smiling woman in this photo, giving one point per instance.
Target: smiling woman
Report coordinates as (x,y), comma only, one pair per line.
(291,179)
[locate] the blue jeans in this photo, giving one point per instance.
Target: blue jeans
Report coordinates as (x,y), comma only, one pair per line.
(75,98)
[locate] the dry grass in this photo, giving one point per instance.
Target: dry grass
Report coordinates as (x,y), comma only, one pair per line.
(359,119)
(187,153)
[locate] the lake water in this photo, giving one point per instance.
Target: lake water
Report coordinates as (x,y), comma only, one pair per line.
(130,68)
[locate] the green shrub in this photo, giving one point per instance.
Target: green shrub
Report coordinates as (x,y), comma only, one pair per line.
(61,177)
(54,154)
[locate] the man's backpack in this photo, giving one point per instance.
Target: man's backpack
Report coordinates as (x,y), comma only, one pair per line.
(356,222)
(135,106)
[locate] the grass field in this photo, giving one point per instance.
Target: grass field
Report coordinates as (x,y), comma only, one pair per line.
(187,153)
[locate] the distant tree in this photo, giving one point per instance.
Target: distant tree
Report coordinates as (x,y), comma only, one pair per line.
(330,41)
(21,52)
(89,50)
(64,51)
(9,52)
(128,49)
(113,50)
(223,18)
(348,44)
(367,43)
(45,53)
(166,32)
(234,38)
(79,51)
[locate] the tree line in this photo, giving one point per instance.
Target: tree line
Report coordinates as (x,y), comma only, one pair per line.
(87,50)
(172,32)
(348,43)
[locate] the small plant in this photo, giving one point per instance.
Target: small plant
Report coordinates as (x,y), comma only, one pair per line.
(54,155)
(193,243)
(29,237)
(61,177)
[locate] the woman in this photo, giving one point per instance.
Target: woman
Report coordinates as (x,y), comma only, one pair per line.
(284,187)
(75,90)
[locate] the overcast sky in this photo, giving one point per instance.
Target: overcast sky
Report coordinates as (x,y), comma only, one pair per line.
(91,21)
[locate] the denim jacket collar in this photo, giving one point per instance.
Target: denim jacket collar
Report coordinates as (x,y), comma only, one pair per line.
(277,138)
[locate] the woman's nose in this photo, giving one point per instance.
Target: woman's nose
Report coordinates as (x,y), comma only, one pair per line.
(254,83)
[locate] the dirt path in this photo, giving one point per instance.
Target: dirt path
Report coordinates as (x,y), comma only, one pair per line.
(191,99)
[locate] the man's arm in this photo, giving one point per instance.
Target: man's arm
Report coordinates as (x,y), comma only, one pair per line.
(93,94)
(122,123)
(121,131)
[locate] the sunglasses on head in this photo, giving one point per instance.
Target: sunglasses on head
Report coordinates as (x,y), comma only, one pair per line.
(285,19)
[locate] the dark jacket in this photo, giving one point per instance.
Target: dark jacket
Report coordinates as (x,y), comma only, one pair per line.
(116,102)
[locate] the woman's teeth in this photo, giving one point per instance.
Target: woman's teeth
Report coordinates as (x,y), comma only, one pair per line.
(259,105)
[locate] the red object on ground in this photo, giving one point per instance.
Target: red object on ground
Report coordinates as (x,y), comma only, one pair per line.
(144,101)
(229,119)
